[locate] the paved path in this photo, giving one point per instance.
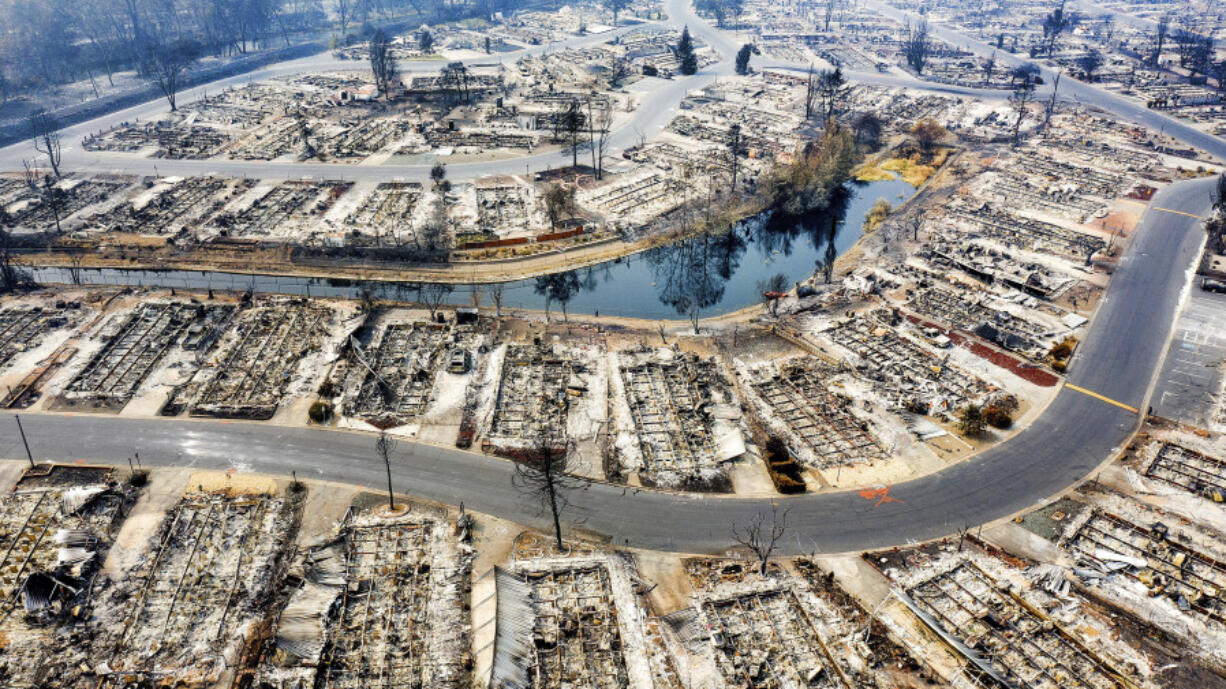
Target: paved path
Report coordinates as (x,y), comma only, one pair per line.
(1075,434)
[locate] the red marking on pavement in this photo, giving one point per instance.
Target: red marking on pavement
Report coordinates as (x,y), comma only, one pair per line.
(80,461)
(881,495)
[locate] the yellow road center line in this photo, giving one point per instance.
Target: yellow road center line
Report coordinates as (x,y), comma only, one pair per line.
(1168,210)
(1097,396)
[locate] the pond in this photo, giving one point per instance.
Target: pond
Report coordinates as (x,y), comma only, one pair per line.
(704,276)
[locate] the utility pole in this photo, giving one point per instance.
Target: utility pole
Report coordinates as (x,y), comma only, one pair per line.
(22,431)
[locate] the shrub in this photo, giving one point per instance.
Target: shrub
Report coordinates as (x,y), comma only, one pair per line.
(970,421)
(320,412)
(997,417)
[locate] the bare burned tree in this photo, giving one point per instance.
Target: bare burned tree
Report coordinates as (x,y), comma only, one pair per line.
(569,123)
(432,295)
(916,47)
(496,293)
(9,277)
(810,92)
(772,289)
(541,475)
(165,63)
(762,534)
(55,199)
(1020,99)
(76,258)
(1163,27)
(385,445)
(1050,109)
(383,63)
(346,10)
(45,131)
(599,126)
(619,70)
(912,223)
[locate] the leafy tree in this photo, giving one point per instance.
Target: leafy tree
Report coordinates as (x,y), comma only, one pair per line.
(425,41)
(820,168)
(868,129)
(560,288)
(685,53)
(742,59)
(1090,63)
(438,174)
(1055,23)
(559,202)
(832,89)
(928,132)
(736,150)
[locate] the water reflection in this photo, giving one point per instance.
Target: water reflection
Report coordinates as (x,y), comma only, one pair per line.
(692,277)
(701,277)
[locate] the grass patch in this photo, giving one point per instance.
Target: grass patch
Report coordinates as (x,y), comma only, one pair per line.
(877,214)
(870,172)
(911,172)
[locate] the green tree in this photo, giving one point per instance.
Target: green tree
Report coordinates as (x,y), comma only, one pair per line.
(742,59)
(685,53)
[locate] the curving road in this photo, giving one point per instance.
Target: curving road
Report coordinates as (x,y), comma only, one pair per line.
(1070,88)
(654,113)
(1077,432)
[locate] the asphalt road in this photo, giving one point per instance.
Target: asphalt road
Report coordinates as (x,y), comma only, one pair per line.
(1070,88)
(1075,434)
(656,110)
